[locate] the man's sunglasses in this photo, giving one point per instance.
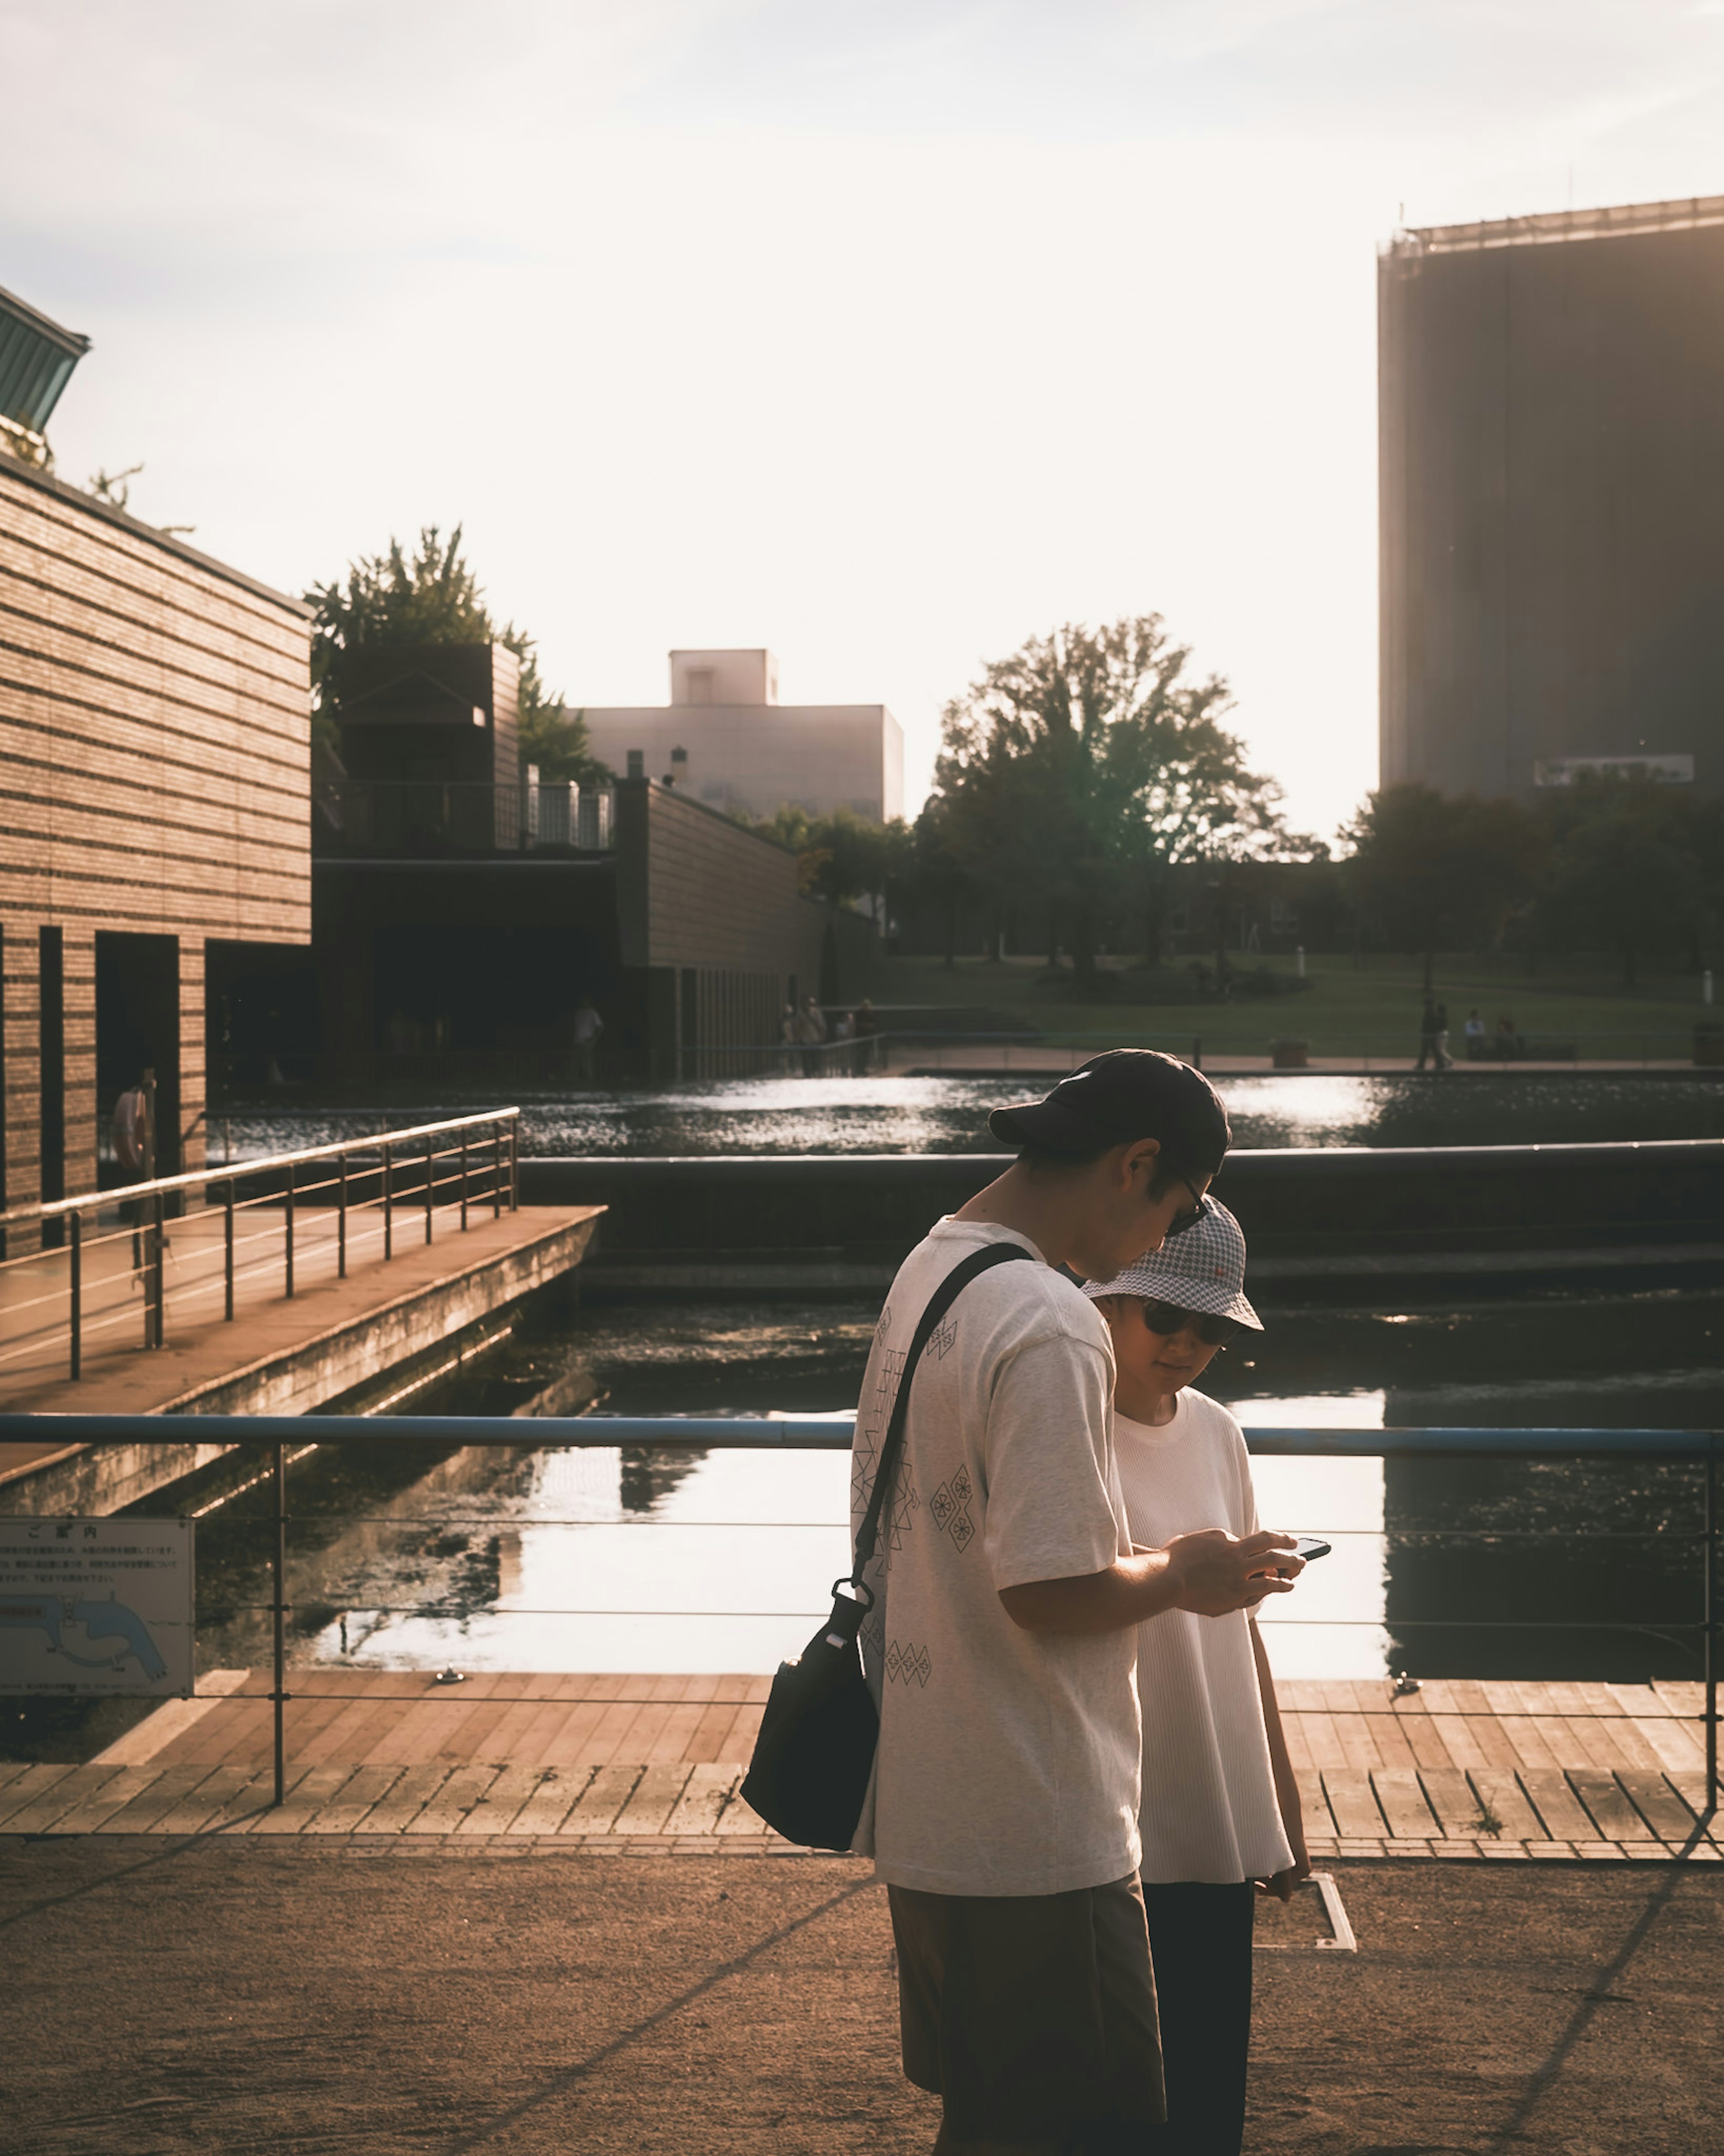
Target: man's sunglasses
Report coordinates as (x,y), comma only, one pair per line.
(1200,1211)
(1168,1318)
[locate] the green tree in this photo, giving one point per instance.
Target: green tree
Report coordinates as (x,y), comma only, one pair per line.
(1630,863)
(1084,770)
(840,856)
(434,597)
(1441,871)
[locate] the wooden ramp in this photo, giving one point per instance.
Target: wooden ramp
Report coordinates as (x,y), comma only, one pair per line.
(643,1763)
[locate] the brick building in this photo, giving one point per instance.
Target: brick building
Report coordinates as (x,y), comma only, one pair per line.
(154,758)
(462,911)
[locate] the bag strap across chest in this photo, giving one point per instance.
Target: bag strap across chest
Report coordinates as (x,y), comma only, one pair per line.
(892,1446)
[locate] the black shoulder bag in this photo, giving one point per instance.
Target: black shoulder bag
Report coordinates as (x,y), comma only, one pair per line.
(815,1750)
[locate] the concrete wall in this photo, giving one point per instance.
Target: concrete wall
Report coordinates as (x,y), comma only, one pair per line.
(1551,473)
(1375,1215)
(154,768)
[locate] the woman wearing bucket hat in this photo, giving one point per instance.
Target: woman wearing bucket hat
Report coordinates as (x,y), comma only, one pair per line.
(1220,1812)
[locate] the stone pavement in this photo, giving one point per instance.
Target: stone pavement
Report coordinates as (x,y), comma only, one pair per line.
(382,1995)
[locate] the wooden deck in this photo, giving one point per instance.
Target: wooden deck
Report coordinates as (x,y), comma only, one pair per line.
(1498,1770)
(279,1356)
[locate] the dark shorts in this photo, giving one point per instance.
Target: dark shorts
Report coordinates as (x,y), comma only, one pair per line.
(1031,2016)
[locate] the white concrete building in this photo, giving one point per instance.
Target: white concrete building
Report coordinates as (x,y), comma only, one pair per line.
(725,739)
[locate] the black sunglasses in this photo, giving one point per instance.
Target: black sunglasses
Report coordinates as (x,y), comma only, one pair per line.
(1168,1318)
(1200,1211)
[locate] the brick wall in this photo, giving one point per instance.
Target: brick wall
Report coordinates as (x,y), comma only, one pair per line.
(154,780)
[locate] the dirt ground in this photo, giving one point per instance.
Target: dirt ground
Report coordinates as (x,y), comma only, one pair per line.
(242,1996)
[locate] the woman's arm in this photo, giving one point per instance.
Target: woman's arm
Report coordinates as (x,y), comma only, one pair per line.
(1286,1784)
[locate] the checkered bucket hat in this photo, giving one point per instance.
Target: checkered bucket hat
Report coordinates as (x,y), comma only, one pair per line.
(1203,1269)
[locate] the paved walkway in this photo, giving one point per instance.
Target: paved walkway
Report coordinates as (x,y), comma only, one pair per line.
(1536,1772)
(219,1995)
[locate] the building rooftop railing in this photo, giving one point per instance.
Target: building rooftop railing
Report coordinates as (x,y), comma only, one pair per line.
(435,819)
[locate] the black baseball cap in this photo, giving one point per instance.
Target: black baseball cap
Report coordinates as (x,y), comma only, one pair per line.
(1127,1094)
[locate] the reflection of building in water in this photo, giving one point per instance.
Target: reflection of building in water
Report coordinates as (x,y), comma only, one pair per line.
(1551,424)
(1481,1555)
(653,1471)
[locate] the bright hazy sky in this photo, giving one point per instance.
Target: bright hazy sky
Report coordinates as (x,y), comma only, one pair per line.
(883,332)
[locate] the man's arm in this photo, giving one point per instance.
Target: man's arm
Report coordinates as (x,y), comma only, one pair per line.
(1286,1783)
(1209,1572)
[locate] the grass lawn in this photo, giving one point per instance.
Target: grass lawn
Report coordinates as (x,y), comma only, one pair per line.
(1370,1010)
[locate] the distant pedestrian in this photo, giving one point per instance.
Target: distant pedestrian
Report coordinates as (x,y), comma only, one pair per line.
(1445,1061)
(787,1035)
(867,1031)
(811,1033)
(1428,1026)
(1475,1032)
(588,1026)
(132,1140)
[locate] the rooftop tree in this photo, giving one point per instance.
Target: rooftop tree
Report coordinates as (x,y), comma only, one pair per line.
(432,596)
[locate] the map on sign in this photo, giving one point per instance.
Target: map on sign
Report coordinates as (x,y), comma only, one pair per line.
(96,1606)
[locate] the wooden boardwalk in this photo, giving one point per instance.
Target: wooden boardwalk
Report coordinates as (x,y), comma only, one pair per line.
(641,1763)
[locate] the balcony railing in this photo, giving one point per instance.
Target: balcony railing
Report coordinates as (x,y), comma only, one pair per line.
(390,818)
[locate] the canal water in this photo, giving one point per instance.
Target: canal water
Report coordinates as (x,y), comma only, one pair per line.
(642,1559)
(950,1115)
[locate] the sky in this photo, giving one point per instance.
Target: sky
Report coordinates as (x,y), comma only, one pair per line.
(886,333)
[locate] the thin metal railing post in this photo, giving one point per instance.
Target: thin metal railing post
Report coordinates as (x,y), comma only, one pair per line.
(464,1183)
(158,1269)
(388,1199)
(228,1253)
(1712,1641)
(287,1250)
(430,1183)
(280,1614)
(496,1171)
(74,1230)
(514,1167)
(342,1224)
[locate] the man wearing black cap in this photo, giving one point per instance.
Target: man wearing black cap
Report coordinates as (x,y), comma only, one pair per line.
(1001,1644)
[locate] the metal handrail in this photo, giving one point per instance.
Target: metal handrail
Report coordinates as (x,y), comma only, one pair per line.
(500,1141)
(292,1437)
(200,1179)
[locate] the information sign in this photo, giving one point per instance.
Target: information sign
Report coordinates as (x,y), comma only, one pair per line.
(96,1606)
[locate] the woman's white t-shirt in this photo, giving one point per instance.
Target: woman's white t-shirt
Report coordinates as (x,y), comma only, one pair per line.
(1209,1810)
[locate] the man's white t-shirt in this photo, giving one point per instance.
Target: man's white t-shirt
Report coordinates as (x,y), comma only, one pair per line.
(1009,1759)
(1209,1810)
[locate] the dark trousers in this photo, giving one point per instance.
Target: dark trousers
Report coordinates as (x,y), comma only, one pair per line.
(1200,1941)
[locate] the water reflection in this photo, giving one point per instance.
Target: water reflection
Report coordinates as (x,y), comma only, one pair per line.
(949,1114)
(650,1559)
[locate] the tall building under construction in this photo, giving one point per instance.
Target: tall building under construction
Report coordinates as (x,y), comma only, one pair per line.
(1551,424)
